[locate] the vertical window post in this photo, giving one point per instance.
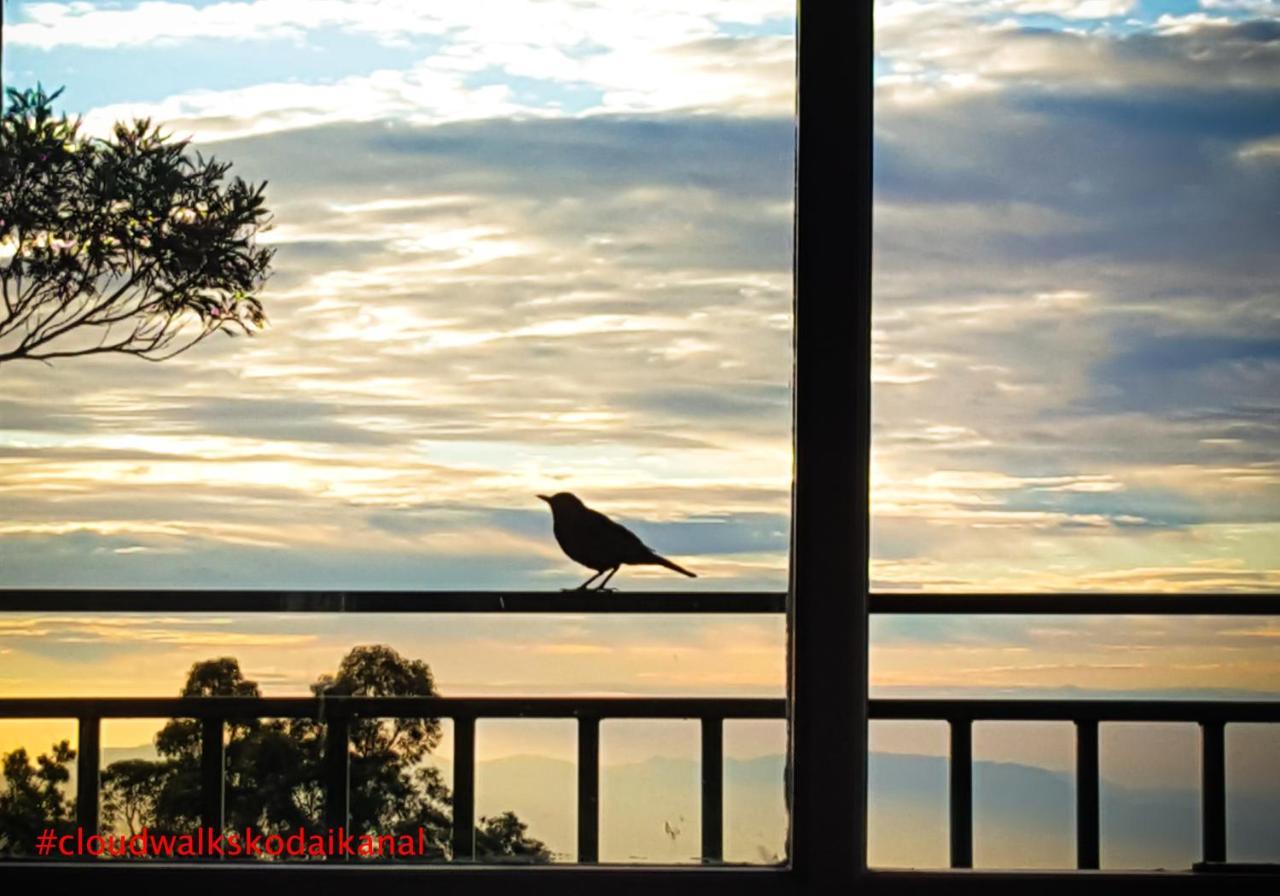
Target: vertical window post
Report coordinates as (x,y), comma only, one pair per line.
(827,667)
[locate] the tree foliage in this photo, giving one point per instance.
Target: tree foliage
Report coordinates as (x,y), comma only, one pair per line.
(129,244)
(391,792)
(32,798)
(273,771)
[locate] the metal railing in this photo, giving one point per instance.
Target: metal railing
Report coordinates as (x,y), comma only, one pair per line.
(1211,716)
(338,711)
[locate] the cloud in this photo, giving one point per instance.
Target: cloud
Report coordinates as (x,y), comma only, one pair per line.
(1092,300)
(1076,9)
(208,115)
(1263,150)
(547,24)
(1252,7)
(948,52)
(472,61)
(572,649)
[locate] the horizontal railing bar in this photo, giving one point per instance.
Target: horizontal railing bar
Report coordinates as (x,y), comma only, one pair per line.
(393,707)
(632,708)
(43,875)
(206,601)
(1077,710)
(135,601)
(1073,604)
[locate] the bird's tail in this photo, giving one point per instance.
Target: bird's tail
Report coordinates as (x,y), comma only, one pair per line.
(663,561)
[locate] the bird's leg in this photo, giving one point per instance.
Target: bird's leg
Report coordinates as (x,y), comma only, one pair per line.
(601,587)
(584,585)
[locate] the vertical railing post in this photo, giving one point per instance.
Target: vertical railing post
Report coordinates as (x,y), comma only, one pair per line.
(337,770)
(588,789)
(464,788)
(212,776)
(1087,837)
(1213,795)
(961,795)
(712,790)
(88,758)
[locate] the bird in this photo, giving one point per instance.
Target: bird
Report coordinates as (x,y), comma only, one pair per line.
(597,542)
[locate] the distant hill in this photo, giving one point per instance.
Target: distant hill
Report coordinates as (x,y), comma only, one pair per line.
(1024,816)
(649,810)
(119,754)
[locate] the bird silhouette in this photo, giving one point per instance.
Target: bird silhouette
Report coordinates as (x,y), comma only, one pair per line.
(597,542)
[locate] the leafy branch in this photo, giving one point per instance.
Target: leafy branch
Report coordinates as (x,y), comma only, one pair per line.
(128,244)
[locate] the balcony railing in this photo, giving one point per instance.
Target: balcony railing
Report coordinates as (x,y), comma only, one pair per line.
(338,711)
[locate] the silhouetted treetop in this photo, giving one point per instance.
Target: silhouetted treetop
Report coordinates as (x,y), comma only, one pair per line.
(129,244)
(31,799)
(379,671)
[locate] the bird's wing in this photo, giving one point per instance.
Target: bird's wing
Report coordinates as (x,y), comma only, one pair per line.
(620,540)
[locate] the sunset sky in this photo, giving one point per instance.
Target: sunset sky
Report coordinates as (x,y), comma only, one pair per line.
(541,246)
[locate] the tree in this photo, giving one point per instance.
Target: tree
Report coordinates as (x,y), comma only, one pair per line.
(129,244)
(163,795)
(32,800)
(130,793)
(504,838)
(391,792)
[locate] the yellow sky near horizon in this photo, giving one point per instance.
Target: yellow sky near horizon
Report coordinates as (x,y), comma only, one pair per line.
(89,655)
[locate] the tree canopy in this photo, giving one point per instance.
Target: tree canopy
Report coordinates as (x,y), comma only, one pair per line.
(130,244)
(32,799)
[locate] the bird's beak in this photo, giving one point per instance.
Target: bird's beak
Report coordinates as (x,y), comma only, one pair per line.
(545,498)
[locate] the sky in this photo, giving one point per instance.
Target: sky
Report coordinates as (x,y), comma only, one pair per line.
(540,246)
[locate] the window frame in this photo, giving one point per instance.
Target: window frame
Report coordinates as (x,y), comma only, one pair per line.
(828,597)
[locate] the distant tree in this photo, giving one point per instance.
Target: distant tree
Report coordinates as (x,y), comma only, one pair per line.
(504,838)
(274,767)
(129,244)
(391,792)
(32,801)
(130,793)
(164,794)
(179,745)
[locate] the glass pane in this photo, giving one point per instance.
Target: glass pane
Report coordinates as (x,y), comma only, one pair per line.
(1252,793)
(1150,795)
(1076,363)
(1023,795)
(505,250)
(649,777)
(755,812)
(1076,374)
(528,767)
(907,787)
